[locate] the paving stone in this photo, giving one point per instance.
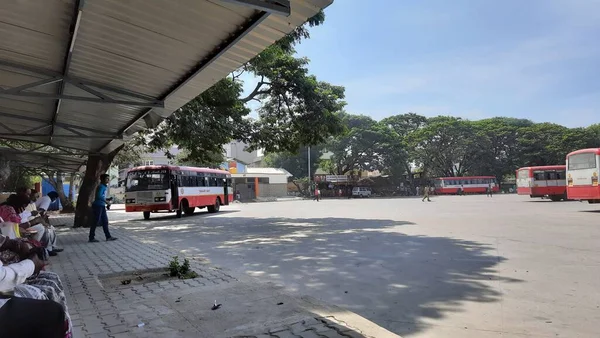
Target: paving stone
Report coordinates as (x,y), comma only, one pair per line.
(309,334)
(284,334)
(97,335)
(118,329)
(78,332)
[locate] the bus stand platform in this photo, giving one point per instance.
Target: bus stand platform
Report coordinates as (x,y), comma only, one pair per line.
(184,307)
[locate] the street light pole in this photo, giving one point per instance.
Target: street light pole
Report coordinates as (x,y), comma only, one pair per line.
(309,188)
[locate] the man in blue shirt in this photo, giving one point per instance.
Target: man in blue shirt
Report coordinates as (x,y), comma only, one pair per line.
(99,208)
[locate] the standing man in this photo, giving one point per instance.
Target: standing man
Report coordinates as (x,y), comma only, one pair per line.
(426,194)
(99,208)
(489,190)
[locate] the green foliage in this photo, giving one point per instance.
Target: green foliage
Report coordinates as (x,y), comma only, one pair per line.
(174,266)
(450,146)
(296,163)
(129,155)
(182,271)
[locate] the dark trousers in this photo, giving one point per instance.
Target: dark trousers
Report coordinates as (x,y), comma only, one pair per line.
(32,318)
(100,218)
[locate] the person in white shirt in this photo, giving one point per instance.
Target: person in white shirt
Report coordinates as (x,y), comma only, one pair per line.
(27,317)
(46,233)
(43,203)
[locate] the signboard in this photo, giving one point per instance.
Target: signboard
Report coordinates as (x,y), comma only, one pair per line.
(336,178)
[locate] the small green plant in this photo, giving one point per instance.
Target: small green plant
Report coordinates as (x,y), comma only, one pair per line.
(181,271)
(174,267)
(185,268)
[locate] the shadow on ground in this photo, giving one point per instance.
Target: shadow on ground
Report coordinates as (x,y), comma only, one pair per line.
(368,266)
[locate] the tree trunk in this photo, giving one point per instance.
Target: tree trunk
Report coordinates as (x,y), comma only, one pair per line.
(71,187)
(4,171)
(96,165)
(56,180)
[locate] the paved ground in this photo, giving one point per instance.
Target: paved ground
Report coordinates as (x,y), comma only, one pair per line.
(470,266)
(182,308)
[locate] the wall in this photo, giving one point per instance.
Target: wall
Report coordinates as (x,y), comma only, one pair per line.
(272,190)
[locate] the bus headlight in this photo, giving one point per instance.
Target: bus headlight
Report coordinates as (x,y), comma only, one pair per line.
(130,200)
(160,199)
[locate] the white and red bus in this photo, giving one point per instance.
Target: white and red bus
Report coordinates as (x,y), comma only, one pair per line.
(542,181)
(469,184)
(582,175)
(168,188)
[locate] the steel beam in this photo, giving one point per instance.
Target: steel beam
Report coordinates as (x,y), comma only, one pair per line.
(72,80)
(202,65)
(58,124)
(281,7)
(61,136)
(60,97)
(43,82)
(67,63)
(20,139)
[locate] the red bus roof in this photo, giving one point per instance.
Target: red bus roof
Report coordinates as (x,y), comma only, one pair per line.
(463,177)
(174,167)
(583,151)
(545,167)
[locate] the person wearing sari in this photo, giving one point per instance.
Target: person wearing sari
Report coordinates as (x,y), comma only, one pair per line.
(32,301)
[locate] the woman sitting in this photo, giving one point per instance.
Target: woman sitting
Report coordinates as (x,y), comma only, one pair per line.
(14,208)
(32,301)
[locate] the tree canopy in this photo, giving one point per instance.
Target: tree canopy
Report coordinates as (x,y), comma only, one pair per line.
(447,146)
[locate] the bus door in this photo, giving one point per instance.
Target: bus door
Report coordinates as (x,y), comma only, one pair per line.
(174,192)
(226,184)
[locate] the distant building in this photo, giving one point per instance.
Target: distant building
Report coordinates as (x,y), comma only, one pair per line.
(256,183)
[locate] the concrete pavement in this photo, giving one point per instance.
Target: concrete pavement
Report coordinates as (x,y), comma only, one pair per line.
(462,266)
(182,308)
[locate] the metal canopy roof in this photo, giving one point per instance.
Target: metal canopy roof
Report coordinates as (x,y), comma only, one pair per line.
(86,74)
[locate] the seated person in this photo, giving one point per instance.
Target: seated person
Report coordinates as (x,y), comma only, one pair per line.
(43,203)
(32,301)
(10,212)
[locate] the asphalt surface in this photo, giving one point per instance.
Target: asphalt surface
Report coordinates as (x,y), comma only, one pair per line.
(459,266)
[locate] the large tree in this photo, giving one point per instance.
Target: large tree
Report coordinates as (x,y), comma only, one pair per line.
(447,146)
(398,154)
(297,162)
(360,147)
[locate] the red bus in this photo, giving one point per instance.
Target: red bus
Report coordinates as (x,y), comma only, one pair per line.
(469,184)
(542,181)
(168,188)
(582,175)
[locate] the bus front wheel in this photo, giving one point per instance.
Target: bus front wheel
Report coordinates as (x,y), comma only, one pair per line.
(216,207)
(146,214)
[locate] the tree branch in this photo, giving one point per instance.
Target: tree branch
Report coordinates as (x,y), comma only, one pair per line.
(256,90)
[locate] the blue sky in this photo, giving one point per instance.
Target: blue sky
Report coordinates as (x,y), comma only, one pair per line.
(536,59)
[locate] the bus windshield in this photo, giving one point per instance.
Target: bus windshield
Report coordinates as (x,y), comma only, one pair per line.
(141,180)
(582,161)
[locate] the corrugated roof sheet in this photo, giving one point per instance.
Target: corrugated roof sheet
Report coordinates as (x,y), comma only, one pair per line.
(137,47)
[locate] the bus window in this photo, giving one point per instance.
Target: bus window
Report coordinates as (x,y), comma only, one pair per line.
(552,175)
(539,175)
(561,175)
(212,181)
(523,173)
